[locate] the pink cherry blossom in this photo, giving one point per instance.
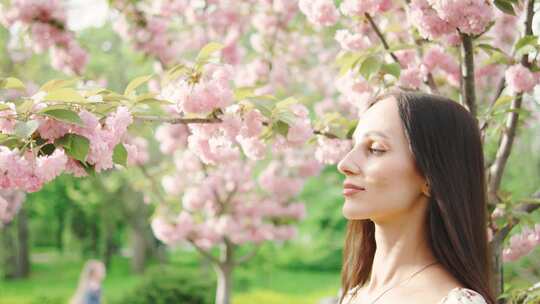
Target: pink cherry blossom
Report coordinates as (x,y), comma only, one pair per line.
(470,16)
(137,149)
(319,12)
(352,42)
(330,151)
(519,79)
(171,137)
(429,23)
(359,7)
(411,77)
(10,203)
(522,243)
(49,167)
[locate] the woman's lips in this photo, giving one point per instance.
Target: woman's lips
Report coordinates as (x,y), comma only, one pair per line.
(351,189)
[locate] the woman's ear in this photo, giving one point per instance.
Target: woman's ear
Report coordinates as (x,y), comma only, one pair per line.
(426,190)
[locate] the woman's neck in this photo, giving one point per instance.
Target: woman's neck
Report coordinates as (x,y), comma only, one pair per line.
(402,249)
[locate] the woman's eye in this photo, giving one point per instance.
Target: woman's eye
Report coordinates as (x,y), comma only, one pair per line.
(376,151)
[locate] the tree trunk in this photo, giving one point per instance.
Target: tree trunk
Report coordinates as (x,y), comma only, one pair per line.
(224,271)
(110,244)
(140,250)
(497,269)
(60,231)
(224,284)
(9,251)
(23,260)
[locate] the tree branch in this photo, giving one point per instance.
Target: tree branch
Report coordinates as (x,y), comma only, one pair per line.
(380,35)
(247,257)
(527,206)
(204,253)
(468,90)
(177,120)
(496,170)
(153,182)
(429,81)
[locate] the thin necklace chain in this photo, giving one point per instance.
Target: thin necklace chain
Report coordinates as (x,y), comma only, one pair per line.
(410,277)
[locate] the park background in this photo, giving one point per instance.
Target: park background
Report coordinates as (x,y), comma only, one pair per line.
(71,219)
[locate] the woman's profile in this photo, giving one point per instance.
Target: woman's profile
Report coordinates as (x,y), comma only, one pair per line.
(89,287)
(415,202)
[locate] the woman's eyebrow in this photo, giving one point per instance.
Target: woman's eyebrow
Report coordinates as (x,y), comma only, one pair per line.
(373,132)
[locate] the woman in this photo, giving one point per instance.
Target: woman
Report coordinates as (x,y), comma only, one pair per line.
(89,289)
(416,204)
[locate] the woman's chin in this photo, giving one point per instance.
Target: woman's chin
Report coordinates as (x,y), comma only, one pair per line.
(351,211)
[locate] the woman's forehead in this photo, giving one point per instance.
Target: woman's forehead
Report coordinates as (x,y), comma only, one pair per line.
(380,119)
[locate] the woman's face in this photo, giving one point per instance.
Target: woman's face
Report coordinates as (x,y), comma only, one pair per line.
(381,163)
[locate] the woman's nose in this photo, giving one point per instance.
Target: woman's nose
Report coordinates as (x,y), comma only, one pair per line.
(346,166)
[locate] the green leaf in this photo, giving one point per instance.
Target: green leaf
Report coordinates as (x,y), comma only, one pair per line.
(526,40)
(244,93)
(285,103)
(400,47)
(65,95)
(505,6)
(75,145)
(370,66)
(502,100)
(56,84)
(489,48)
(11,83)
(120,155)
(208,50)
(525,50)
(4,106)
(281,127)
(10,141)
(393,69)
(535,68)
(264,106)
(24,106)
(347,62)
(135,83)
(498,58)
(47,149)
(24,129)
(63,115)
(287,117)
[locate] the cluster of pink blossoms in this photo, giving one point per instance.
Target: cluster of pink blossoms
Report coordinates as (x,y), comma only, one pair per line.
(28,171)
(352,42)
(319,12)
(46,20)
(103,137)
(209,91)
(150,36)
(435,18)
(10,203)
(360,7)
(522,244)
(437,58)
(520,79)
(224,203)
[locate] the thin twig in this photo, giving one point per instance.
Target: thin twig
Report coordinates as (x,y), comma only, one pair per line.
(496,170)
(205,253)
(177,120)
(381,36)
(246,257)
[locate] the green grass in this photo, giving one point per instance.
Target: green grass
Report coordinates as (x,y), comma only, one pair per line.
(55,277)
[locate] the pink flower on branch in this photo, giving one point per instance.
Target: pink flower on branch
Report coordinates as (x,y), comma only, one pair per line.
(519,79)
(319,12)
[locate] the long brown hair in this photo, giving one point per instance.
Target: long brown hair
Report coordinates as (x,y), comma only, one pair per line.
(446,145)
